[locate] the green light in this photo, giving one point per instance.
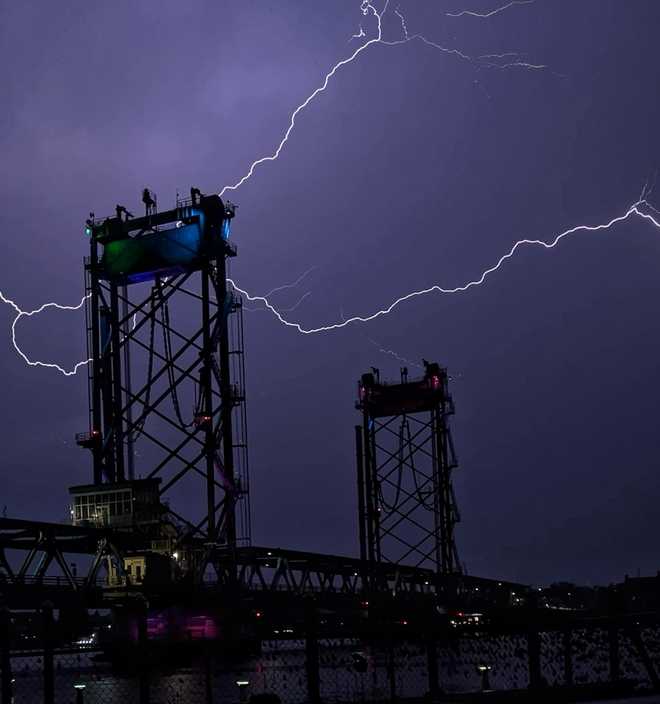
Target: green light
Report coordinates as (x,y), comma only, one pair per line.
(88,231)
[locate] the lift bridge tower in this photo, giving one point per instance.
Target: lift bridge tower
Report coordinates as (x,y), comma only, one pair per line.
(405,459)
(167,424)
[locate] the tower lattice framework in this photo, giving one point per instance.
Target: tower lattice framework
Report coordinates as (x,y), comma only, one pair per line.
(405,460)
(166,371)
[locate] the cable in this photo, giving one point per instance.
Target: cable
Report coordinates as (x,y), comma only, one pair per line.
(139,424)
(169,363)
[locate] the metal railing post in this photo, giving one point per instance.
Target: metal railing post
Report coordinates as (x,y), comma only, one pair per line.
(614,654)
(432,667)
(48,642)
(208,675)
(5,656)
(143,674)
(312,654)
(534,657)
(568,658)
(391,663)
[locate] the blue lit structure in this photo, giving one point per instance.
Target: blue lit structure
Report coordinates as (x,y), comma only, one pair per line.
(141,249)
(183,252)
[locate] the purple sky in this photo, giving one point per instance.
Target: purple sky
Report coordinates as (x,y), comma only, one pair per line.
(415,167)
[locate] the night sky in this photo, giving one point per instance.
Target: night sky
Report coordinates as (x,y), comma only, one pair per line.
(415,167)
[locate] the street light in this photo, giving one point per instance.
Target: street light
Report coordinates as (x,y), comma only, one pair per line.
(485,679)
(80,690)
(242,689)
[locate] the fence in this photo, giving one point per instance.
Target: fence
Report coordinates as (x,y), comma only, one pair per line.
(40,668)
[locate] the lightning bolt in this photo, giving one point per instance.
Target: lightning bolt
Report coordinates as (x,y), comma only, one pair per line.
(634,209)
(404,27)
(490,13)
(282,310)
(20,313)
(368,9)
(293,284)
(284,287)
(394,354)
(519,64)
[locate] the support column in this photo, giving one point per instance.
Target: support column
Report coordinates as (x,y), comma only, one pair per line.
(312,654)
(95,349)
(534,657)
(439,503)
(391,667)
(568,657)
(208,675)
(143,650)
(104,383)
(360,488)
(207,393)
(432,667)
(227,400)
(48,638)
(614,654)
(5,656)
(130,450)
(369,507)
(371,504)
(117,397)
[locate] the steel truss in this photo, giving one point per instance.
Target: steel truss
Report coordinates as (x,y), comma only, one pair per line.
(241,572)
(41,546)
(147,357)
(405,458)
(276,570)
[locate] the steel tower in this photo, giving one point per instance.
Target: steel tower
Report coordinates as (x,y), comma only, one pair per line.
(166,372)
(405,457)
